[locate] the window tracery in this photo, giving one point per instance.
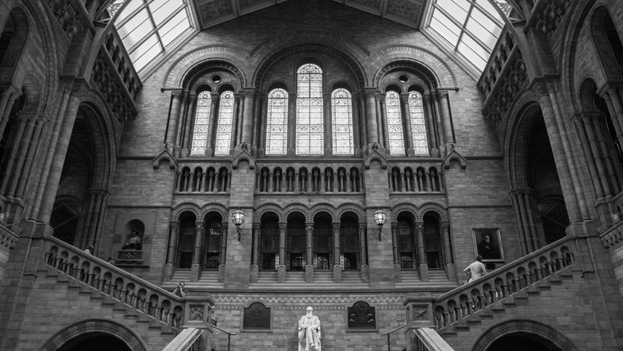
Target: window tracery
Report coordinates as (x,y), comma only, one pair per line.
(277,128)
(202,123)
(418,124)
(224,125)
(341,104)
(309,111)
(394,124)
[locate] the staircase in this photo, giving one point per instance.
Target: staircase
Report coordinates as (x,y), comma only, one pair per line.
(322,280)
(530,283)
(208,280)
(437,278)
(96,289)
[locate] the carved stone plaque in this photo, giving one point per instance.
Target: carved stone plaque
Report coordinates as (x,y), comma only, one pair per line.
(361,316)
(256,316)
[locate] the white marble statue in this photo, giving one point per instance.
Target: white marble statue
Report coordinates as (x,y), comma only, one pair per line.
(309,332)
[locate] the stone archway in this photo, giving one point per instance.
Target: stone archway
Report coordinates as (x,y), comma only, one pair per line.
(529,333)
(89,331)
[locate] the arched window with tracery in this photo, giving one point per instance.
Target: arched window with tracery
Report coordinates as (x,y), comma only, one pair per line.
(395,131)
(202,123)
(224,124)
(342,122)
(277,122)
(309,112)
(418,124)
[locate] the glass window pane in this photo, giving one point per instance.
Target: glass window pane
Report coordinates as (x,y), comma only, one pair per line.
(418,124)
(394,124)
(136,21)
(133,5)
(309,111)
(481,33)
(166,10)
(277,123)
(341,102)
(486,22)
(144,47)
(174,28)
(202,123)
(137,35)
(224,125)
(442,25)
(147,57)
(472,56)
(451,7)
(475,47)
(489,9)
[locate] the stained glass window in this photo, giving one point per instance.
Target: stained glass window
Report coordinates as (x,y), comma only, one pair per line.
(418,125)
(202,123)
(223,127)
(309,124)
(394,123)
(342,122)
(277,124)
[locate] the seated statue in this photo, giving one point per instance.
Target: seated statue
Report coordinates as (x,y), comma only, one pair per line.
(309,332)
(134,243)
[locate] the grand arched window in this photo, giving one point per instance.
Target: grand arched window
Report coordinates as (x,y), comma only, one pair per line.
(418,124)
(202,123)
(277,123)
(309,112)
(342,122)
(224,125)
(395,131)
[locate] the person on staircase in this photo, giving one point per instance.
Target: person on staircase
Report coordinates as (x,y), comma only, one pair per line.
(476,269)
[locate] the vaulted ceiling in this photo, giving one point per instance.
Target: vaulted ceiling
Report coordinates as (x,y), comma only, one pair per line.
(213,12)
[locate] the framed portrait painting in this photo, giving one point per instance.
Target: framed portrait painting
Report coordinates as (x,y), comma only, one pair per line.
(488,244)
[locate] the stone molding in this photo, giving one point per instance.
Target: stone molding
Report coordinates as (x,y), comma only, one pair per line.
(523,326)
(133,341)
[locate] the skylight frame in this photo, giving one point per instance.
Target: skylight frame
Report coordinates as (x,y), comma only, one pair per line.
(175,35)
(454,44)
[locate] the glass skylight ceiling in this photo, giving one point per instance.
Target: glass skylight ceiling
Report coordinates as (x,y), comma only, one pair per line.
(471,27)
(148,28)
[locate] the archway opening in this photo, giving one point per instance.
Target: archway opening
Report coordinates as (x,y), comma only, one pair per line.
(269,242)
(296,243)
(95,342)
(212,242)
(522,341)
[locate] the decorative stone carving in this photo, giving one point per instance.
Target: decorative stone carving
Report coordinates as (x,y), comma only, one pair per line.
(195,313)
(361,316)
(256,316)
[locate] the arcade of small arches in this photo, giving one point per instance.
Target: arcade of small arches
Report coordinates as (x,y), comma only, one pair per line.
(322,238)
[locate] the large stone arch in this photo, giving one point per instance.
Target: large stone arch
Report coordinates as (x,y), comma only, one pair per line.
(302,45)
(297,207)
(323,208)
(185,207)
(410,57)
(404,208)
(353,208)
(523,326)
(266,208)
(213,208)
(211,56)
(438,209)
(103,326)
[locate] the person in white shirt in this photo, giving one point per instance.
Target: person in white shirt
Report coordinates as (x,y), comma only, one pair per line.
(475,270)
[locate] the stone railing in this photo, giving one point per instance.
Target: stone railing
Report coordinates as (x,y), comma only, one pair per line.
(203,178)
(115,77)
(112,281)
(465,301)
(613,235)
(415,178)
(8,239)
(547,15)
(427,339)
(330,177)
(187,340)
(503,77)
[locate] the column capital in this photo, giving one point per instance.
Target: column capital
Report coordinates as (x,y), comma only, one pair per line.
(404,98)
(337,225)
(541,89)
(248,93)
(379,97)
(370,92)
(174,226)
(177,94)
(440,94)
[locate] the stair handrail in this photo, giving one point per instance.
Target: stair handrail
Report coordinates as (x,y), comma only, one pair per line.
(113,281)
(465,300)
(187,340)
(389,333)
(229,334)
(428,339)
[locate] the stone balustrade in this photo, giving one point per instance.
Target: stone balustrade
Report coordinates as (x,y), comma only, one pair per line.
(547,15)
(496,286)
(309,178)
(115,282)
(613,235)
(8,239)
(415,178)
(205,178)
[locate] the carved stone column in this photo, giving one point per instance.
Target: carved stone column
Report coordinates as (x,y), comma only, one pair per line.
(431,125)
(173,119)
(363,253)
(212,126)
(281,270)
(188,125)
(328,125)
(223,257)
(195,269)
(7,99)
(397,266)
(263,125)
(247,120)
(404,101)
(256,253)
(442,98)
(291,124)
(382,120)
(423,267)
(174,230)
(309,257)
(447,251)
(373,134)
(337,254)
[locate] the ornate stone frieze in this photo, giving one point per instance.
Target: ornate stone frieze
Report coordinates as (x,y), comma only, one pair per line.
(214,9)
(404,8)
(69,17)
(549,15)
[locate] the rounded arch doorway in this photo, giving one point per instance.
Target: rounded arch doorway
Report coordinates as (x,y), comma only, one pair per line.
(521,334)
(95,342)
(522,341)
